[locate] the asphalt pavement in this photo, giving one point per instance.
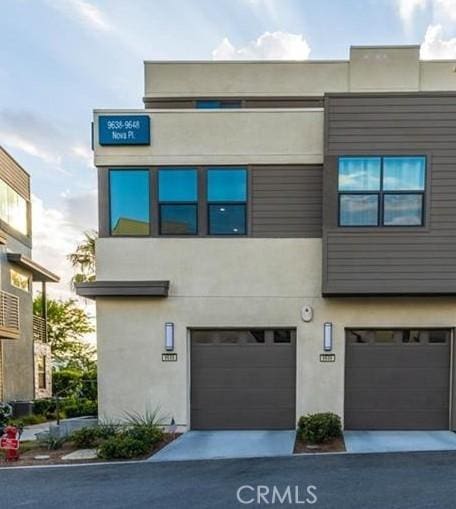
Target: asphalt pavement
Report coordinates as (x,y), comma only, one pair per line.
(387,481)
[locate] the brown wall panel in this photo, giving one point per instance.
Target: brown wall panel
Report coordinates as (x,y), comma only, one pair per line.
(400,260)
(14,175)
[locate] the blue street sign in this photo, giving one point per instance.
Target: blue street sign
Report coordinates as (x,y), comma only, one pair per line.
(124,130)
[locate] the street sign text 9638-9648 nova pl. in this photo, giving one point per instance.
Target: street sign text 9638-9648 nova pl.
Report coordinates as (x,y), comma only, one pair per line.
(124,130)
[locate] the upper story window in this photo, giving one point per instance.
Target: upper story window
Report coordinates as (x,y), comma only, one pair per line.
(129,202)
(13,208)
(227,198)
(210,104)
(382,191)
(178,201)
(19,280)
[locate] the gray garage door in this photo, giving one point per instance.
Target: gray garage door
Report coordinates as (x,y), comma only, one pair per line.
(243,379)
(397,379)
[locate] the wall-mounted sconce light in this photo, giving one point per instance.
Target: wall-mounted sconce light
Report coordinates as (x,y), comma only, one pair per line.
(327,336)
(169,336)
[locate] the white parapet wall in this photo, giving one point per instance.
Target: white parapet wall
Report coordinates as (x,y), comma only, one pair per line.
(269,136)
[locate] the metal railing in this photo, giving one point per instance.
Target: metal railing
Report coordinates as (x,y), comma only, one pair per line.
(9,312)
(39,329)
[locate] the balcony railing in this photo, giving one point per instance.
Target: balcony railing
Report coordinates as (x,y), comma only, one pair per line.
(9,316)
(39,329)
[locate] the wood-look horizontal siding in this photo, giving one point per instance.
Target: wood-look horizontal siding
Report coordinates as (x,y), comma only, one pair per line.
(286,201)
(14,175)
(393,260)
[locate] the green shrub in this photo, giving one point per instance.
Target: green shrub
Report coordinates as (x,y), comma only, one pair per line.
(78,408)
(92,436)
(85,438)
(319,428)
(107,430)
(149,435)
(122,446)
(43,406)
(29,420)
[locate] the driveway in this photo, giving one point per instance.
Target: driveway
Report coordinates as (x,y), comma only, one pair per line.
(205,445)
(399,441)
(342,481)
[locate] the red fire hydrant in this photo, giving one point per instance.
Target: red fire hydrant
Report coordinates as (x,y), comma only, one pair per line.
(9,442)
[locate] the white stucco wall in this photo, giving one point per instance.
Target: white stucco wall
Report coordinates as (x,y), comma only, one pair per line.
(369,69)
(266,136)
(229,283)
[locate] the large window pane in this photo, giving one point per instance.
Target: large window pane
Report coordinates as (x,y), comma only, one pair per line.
(4,201)
(227,219)
(129,201)
(358,209)
(177,185)
(17,211)
(359,173)
(404,173)
(402,209)
(225,185)
(178,219)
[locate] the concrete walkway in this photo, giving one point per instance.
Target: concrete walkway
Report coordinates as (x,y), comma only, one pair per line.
(204,445)
(399,441)
(30,432)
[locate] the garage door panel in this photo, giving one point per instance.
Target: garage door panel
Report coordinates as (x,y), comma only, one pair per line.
(419,378)
(377,399)
(397,355)
(397,385)
(240,418)
(241,356)
(242,378)
(251,398)
(378,420)
(241,385)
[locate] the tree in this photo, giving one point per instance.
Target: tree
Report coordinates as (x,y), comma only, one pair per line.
(83,259)
(67,325)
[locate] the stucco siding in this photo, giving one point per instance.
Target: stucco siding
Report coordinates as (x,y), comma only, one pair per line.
(229,283)
(265,136)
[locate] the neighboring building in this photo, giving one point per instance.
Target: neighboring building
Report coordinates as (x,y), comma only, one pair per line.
(25,355)
(292,227)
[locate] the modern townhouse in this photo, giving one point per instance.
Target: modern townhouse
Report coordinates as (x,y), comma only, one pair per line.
(25,355)
(279,238)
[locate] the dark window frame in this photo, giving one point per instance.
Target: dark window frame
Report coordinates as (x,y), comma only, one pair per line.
(227,203)
(150,197)
(448,339)
(177,204)
(381,193)
(195,203)
(41,372)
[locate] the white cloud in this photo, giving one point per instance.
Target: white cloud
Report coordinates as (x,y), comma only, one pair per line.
(407,9)
(84,12)
(13,140)
(270,45)
(446,9)
(441,11)
(435,46)
(33,134)
(56,233)
(83,152)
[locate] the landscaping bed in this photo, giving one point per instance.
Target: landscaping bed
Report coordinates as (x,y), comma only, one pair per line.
(321,432)
(29,450)
(333,445)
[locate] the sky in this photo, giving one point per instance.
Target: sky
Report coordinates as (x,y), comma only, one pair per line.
(60,59)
